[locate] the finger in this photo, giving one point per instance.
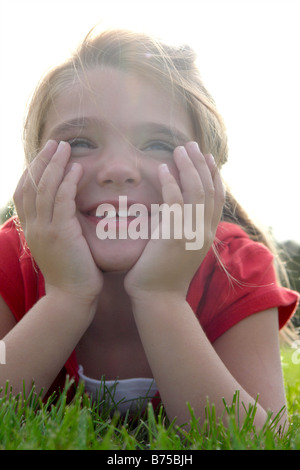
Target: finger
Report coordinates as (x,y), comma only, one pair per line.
(18,198)
(65,197)
(190,180)
(196,179)
(173,200)
(171,191)
(219,189)
(211,183)
(33,177)
(40,162)
(219,197)
(50,181)
(202,167)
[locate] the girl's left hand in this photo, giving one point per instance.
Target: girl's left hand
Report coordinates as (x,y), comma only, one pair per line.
(166,265)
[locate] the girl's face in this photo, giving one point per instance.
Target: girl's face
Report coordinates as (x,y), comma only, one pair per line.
(120,128)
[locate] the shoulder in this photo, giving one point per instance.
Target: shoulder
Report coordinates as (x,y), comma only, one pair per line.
(233,256)
(11,244)
(243,258)
(13,247)
(10,231)
(233,235)
(237,279)
(20,279)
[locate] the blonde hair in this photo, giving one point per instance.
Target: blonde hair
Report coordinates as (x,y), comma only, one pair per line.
(171,68)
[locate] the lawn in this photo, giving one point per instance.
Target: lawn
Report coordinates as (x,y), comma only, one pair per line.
(26,423)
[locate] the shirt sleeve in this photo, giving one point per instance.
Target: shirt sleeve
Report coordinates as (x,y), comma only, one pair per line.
(240,283)
(11,282)
(21,283)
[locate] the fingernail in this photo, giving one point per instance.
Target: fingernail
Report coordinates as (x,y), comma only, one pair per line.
(61,145)
(74,166)
(211,159)
(194,145)
(164,168)
(182,151)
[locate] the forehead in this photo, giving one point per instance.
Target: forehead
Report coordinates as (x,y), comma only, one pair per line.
(120,99)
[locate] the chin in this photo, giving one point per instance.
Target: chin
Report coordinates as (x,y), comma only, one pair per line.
(117,255)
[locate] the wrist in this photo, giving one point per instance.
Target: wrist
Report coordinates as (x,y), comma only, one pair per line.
(76,301)
(154,300)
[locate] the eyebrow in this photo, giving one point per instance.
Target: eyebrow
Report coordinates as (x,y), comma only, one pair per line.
(158,128)
(73,124)
(146,127)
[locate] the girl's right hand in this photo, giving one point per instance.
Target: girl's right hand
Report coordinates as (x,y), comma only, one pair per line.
(45,204)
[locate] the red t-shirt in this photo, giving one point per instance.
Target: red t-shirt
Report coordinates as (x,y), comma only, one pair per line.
(219,297)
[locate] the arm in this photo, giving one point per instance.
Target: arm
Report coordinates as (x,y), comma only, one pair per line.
(38,346)
(188,368)
(185,364)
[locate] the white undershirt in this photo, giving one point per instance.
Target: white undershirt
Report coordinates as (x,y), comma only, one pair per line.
(123,394)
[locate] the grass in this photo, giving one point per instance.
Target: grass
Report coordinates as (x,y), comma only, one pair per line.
(28,424)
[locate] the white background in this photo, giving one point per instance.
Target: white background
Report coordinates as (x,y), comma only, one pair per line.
(249,57)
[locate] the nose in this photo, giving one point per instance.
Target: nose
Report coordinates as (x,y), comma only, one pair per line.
(119,168)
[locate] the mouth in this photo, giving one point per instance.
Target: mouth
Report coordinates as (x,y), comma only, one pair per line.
(119,212)
(112,214)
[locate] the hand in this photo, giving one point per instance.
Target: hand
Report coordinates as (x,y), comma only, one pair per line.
(45,203)
(166,265)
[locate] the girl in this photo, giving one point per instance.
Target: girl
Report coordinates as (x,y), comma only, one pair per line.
(129,116)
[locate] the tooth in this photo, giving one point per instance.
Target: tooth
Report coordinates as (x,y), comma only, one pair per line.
(110,214)
(122,213)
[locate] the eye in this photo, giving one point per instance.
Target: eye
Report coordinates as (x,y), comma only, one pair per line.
(159,146)
(80,146)
(82,143)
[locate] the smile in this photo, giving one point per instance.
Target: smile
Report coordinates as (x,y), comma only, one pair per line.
(162,221)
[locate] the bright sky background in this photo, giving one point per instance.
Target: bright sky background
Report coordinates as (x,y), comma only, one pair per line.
(249,56)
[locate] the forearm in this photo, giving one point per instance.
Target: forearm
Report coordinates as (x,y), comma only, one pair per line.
(39,345)
(183,361)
